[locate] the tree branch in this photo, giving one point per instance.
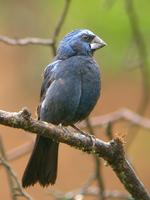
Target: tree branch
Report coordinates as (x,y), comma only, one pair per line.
(121,114)
(40,41)
(107,119)
(25,41)
(112,151)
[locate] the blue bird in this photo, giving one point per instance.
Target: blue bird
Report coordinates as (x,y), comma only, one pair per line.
(70,90)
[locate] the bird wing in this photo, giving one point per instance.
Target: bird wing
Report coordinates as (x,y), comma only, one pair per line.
(47,81)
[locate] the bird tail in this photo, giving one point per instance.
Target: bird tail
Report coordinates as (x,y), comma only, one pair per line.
(42,166)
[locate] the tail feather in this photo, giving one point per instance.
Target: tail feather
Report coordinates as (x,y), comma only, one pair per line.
(42,166)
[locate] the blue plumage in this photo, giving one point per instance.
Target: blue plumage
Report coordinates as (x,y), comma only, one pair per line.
(70,90)
(73,92)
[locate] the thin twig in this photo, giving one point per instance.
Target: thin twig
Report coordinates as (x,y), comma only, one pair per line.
(81,191)
(2,159)
(87,184)
(143,54)
(20,151)
(15,186)
(109,194)
(91,191)
(98,165)
(143,65)
(59,25)
(61,19)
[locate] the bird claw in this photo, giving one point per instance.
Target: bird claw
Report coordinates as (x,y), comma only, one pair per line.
(63,128)
(92,137)
(93,140)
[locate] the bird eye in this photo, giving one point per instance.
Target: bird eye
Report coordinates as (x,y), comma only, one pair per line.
(86,37)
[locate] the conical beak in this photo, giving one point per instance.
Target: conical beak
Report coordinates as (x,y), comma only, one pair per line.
(97,43)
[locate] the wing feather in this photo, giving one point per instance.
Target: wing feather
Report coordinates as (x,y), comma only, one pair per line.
(48,78)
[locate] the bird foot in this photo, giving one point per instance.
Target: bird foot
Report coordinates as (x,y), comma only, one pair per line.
(65,129)
(92,137)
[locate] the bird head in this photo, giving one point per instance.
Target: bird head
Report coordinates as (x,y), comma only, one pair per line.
(79,42)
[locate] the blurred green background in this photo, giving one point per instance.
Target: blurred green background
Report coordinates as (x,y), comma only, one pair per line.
(21,69)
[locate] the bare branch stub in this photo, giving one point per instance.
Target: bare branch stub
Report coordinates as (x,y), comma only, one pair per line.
(112,151)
